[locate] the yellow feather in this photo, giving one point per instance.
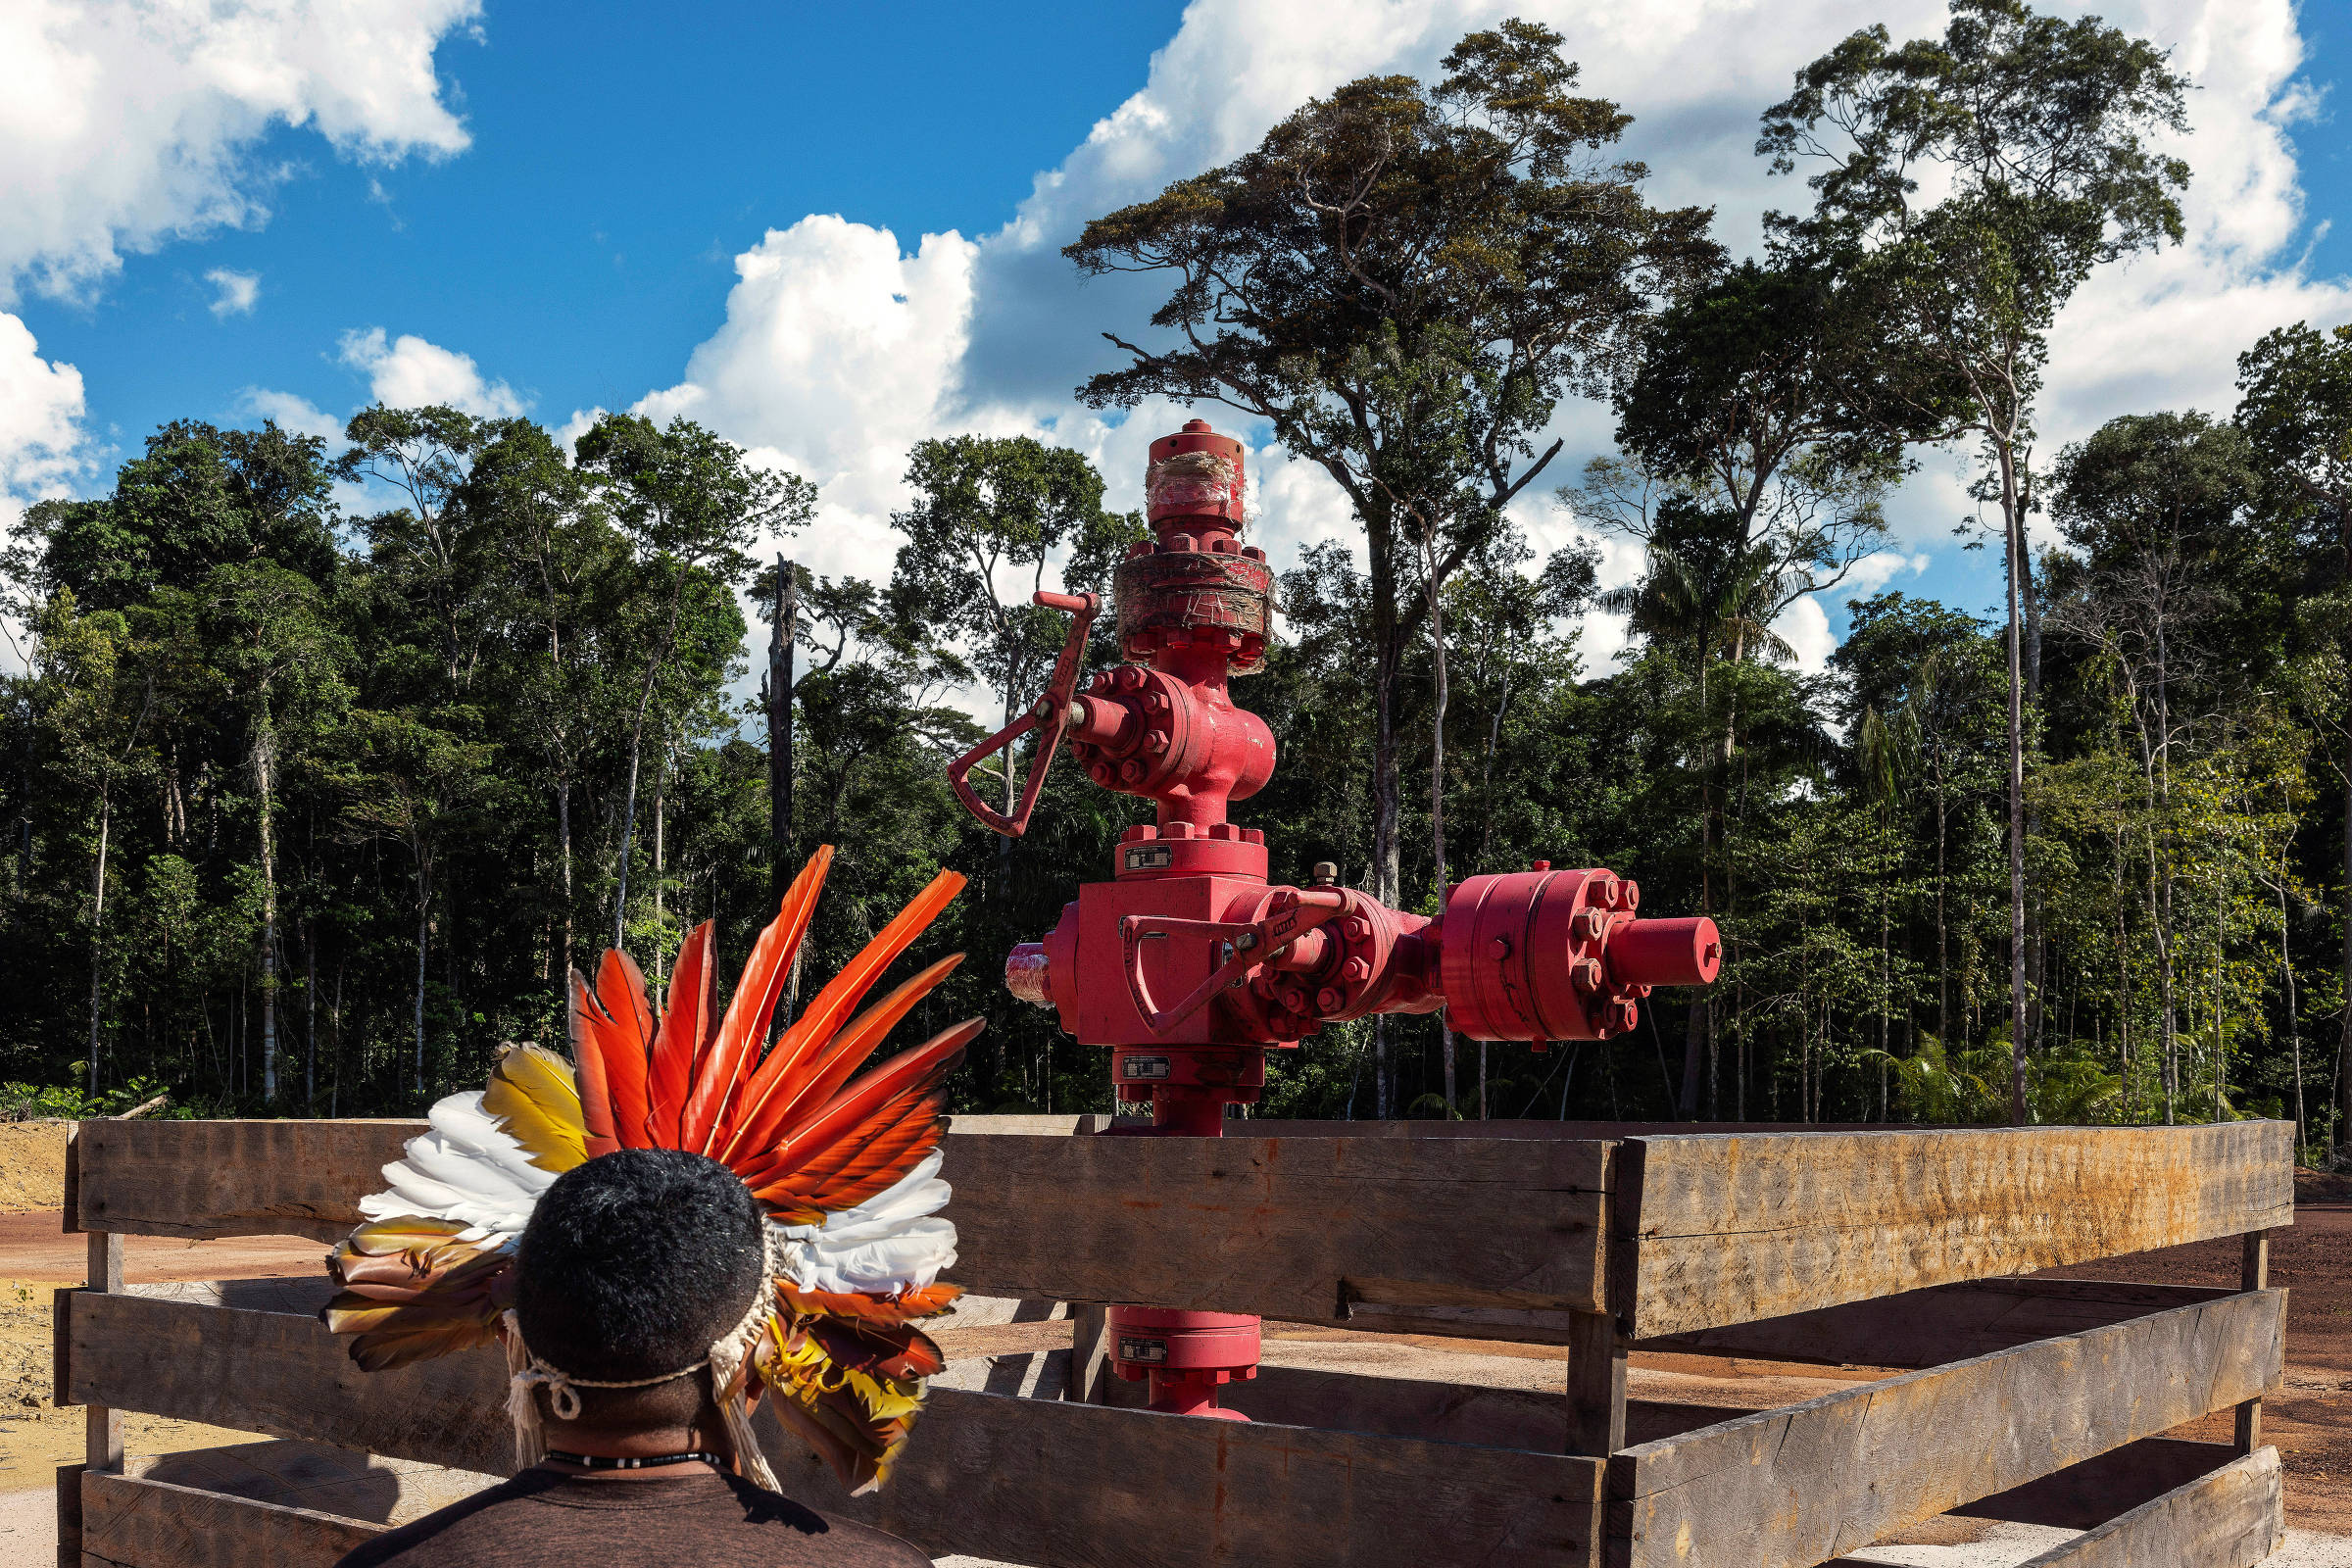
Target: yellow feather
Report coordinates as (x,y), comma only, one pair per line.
(537,1103)
(885,1396)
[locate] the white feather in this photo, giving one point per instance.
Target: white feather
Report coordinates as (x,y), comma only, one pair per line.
(463,1168)
(887,1244)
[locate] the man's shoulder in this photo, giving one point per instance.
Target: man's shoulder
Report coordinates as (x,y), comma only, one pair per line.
(539,1517)
(442,1534)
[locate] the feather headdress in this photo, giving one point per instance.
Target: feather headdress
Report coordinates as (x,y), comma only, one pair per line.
(846,1169)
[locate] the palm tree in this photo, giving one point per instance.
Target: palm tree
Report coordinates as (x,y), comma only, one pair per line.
(1710,600)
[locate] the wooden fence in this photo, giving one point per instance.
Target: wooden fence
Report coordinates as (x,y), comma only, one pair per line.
(2044,1400)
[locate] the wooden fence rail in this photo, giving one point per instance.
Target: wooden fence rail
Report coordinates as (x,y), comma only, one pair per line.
(1879,1248)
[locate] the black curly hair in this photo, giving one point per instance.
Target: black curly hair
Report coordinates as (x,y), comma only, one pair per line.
(632,1263)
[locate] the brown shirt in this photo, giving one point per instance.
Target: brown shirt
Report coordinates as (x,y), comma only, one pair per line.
(548,1519)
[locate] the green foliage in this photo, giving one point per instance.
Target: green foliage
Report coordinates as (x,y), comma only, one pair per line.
(369,785)
(65,1102)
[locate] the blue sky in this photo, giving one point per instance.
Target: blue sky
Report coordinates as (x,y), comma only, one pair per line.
(584,241)
(830,230)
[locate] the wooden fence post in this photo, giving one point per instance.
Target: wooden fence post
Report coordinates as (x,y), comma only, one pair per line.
(103,1423)
(1090,1353)
(2253,1274)
(1595,1385)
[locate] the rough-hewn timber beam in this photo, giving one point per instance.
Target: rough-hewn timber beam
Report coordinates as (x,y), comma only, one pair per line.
(1028,1480)
(155,1524)
(1728,1229)
(1288,1228)
(1797,1486)
(2233,1518)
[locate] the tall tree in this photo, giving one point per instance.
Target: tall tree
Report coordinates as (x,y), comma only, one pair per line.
(273,647)
(2032,130)
(430,546)
(691,505)
(94,703)
(2295,406)
(2147,503)
(1404,279)
(561,564)
(417,784)
(988,516)
(1932,671)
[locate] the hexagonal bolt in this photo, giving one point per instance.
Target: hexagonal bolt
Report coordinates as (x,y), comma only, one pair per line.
(1131,771)
(1355,928)
(1330,999)
(1324,875)
(1356,971)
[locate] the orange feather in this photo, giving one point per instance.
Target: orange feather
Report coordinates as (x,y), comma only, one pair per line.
(628,1044)
(926,1063)
(744,1029)
(830,1066)
(902,1132)
(588,1064)
(685,1034)
(843,991)
(915,1301)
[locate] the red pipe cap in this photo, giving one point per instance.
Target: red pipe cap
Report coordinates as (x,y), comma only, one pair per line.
(1665,953)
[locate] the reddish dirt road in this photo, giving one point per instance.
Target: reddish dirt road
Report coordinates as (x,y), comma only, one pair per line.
(35,1249)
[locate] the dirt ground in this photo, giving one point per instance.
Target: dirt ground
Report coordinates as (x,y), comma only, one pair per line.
(32,1164)
(36,1257)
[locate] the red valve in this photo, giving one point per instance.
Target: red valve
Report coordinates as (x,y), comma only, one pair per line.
(1246,945)
(1051,710)
(1535,956)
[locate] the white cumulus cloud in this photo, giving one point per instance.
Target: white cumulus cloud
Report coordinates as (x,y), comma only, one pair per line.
(125,123)
(43,442)
(408,371)
(44,447)
(840,349)
(298,415)
(234,292)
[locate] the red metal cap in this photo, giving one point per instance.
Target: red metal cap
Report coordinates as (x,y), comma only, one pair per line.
(1550,954)
(1665,953)
(1195,474)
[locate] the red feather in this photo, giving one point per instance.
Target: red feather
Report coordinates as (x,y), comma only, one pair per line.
(588,1020)
(685,1035)
(744,1029)
(830,1066)
(904,1132)
(808,1034)
(628,1044)
(926,1064)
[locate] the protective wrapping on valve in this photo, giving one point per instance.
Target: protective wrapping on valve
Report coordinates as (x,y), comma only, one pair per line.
(1192,484)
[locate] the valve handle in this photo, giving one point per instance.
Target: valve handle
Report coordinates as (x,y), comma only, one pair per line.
(1253,942)
(1052,712)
